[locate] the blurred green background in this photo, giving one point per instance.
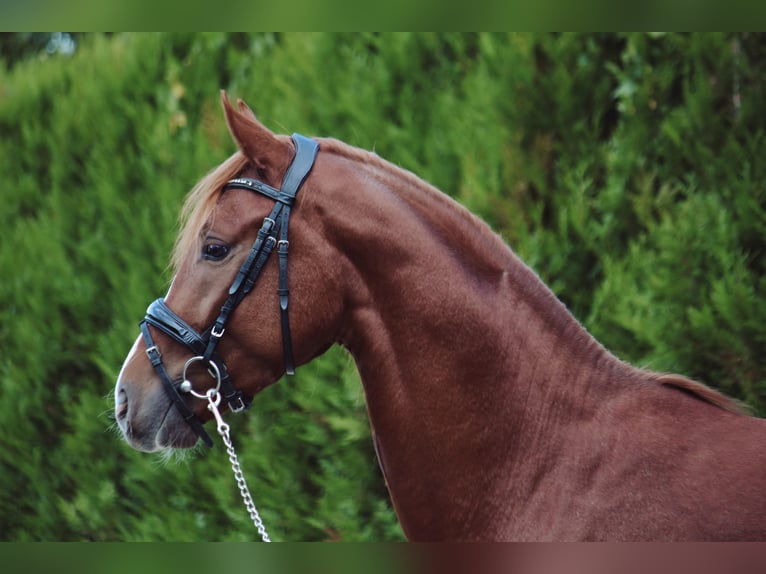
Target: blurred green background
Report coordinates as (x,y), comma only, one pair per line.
(624,168)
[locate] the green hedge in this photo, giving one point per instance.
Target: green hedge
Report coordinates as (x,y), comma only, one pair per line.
(624,168)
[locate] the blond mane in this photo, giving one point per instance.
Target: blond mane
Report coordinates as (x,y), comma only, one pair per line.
(703,392)
(200,202)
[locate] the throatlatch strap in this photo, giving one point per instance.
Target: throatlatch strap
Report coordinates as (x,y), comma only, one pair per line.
(284,297)
(305,155)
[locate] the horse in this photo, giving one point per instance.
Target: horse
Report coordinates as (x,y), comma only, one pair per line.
(495,415)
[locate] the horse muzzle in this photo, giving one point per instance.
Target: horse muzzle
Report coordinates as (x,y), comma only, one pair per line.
(150,424)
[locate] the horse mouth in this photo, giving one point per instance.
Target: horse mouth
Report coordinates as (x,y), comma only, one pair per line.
(167,437)
(176,433)
(163,430)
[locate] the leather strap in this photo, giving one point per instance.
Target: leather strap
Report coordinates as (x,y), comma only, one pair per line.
(160,316)
(305,154)
(276,223)
(258,187)
(155,357)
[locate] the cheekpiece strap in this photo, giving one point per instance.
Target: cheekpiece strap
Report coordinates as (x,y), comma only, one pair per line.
(153,353)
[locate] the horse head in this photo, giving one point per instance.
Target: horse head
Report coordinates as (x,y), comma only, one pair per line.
(234,221)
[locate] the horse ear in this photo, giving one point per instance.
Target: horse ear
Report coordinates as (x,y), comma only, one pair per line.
(245,110)
(265,150)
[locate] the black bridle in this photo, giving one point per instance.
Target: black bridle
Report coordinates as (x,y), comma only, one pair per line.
(273,233)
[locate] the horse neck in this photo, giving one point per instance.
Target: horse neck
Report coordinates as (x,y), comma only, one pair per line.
(468,361)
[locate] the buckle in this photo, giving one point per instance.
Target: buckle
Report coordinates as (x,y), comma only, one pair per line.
(236,404)
(153,354)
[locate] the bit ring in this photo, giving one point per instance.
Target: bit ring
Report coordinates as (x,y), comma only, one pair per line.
(214,372)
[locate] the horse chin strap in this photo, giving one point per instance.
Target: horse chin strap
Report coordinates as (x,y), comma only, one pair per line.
(272,234)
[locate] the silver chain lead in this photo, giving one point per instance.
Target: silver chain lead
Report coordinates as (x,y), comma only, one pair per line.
(214,398)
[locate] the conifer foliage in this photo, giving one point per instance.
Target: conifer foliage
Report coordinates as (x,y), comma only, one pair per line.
(626,169)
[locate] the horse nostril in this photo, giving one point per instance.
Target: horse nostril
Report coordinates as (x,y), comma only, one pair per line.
(121,404)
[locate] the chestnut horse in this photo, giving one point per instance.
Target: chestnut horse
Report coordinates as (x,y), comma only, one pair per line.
(495,415)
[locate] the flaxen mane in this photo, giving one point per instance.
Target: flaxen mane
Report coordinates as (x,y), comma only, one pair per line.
(200,202)
(701,391)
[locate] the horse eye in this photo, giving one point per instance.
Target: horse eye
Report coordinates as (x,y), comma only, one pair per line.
(215,251)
